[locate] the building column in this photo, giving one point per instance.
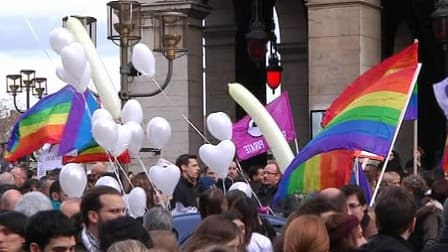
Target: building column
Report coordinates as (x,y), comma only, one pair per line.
(344,41)
(182,98)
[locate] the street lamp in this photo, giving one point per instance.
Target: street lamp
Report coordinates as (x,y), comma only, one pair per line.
(273,70)
(257,37)
(440,26)
(124,29)
(26,80)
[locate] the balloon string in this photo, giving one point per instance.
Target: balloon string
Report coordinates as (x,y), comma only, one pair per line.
(158,194)
(124,172)
(38,40)
(183,115)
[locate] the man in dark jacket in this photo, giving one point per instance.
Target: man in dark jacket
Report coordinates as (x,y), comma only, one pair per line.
(395,213)
(442,243)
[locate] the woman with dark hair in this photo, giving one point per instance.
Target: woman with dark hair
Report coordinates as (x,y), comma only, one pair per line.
(141,180)
(313,238)
(254,227)
(214,230)
(345,233)
(212,201)
(12,229)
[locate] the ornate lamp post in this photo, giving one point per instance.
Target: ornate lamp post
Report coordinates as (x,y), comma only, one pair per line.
(257,37)
(124,29)
(440,26)
(26,80)
(273,70)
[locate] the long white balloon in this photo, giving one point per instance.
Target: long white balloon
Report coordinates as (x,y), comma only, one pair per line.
(100,77)
(272,133)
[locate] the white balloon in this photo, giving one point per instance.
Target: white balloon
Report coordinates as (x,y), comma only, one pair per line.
(158,132)
(83,82)
(137,201)
(165,178)
(73,179)
(74,59)
(143,60)
(122,143)
(218,157)
(60,38)
(101,114)
(132,111)
(64,76)
(108,181)
(105,133)
(220,125)
(241,186)
(137,136)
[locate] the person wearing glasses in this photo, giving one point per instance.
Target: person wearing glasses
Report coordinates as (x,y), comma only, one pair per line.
(268,188)
(357,205)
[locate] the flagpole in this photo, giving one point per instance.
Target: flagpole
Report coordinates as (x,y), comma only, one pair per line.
(296,145)
(414,154)
(400,121)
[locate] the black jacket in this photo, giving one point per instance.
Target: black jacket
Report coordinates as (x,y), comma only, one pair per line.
(386,243)
(184,193)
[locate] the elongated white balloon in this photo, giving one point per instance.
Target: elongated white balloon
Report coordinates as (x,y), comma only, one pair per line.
(143,60)
(272,133)
(100,77)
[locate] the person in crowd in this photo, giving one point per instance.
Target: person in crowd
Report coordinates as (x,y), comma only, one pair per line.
(207,172)
(129,246)
(205,183)
(428,226)
(120,229)
(214,230)
(21,174)
(371,171)
(6,178)
(335,197)
(71,207)
(50,231)
(185,190)
(57,196)
(12,231)
(258,232)
(439,192)
(232,176)
(44,184)
(97,170)
(441,245)
(271,178)
(255,174)
(395,216)
(9,199)
(420,158)
(394,164)
(159,224)
(33,202)
(98,205)
(391,179)
(345,233)
(141,180)
(212,201)
(357,206)
(313,238)
(31,185)
(239,221)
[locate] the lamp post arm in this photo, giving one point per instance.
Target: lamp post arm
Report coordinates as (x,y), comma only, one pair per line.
(15,105)
(162,87)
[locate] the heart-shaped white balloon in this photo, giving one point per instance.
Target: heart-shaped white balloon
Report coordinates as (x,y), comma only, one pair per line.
(122,142)
(65,76)
(74,59)
(218,157)
(137,201)
(105,133)
(108,181)
(220,125)
(101,114)
(60,38)
(143,60)
(132,111)
(137,136)
(165,178)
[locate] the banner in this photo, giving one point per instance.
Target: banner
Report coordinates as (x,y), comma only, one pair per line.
(248,138)
(49,159)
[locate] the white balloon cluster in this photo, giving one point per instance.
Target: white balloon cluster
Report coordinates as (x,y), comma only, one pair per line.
(219,157)
(117,138)
(75,68)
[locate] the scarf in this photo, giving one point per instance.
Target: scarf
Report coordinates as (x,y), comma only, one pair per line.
(89,241)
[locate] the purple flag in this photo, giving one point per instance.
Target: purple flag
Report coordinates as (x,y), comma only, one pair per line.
(248,138)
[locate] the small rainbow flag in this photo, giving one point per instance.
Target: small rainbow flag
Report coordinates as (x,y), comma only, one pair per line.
(364,117)
(43,123)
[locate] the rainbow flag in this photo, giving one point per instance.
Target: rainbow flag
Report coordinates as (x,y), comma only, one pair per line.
(365,117)
(445,157)
(412,109)
(43,123)
(94,153)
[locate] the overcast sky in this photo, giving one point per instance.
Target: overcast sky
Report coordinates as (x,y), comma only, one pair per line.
(24,44)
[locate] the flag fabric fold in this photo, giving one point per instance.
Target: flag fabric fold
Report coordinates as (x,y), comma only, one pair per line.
(412,109)
(248,138)
(364,117)
(441,93)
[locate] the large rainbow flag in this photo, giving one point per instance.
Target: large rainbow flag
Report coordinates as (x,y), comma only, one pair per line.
(43,123)
(364,117)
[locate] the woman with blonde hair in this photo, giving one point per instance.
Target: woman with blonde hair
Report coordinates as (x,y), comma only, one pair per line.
(313,238)
(128,245)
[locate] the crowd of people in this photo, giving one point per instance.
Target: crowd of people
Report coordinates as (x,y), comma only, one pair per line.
(410,213)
